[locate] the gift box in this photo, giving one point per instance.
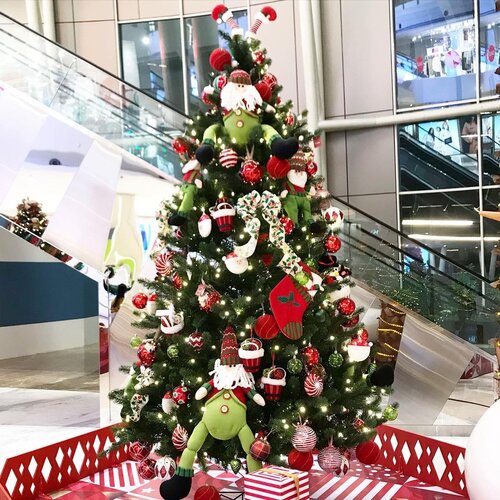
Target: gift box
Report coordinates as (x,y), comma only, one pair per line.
(229,494)
(276,483)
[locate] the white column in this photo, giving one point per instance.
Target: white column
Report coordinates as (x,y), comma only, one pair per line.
(49,22)
(33,14)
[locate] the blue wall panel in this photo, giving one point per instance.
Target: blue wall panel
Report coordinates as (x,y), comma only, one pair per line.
(38,292)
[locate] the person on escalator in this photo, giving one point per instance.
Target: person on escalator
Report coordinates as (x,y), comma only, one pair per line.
(430,138)
(446,139)
(469,134)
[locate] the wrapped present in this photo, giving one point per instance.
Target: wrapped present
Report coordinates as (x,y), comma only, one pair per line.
(231,494)
(276,483)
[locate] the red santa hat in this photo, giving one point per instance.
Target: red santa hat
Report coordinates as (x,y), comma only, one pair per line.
(229,348)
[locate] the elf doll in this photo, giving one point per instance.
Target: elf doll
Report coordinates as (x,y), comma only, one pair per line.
(240,102)
(296,198)
(192,183)
(224,417)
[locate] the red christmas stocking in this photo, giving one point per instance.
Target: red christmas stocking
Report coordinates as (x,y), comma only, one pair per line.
(289,301)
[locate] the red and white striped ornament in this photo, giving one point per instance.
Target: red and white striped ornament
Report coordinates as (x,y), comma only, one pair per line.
(313,385)
(196,341)
(228,158)
(164,265)
(180,438)
(304,438)
(329,458)
(165,468)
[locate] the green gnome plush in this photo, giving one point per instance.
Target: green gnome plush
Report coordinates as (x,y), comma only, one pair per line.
(240,102)
(224,417)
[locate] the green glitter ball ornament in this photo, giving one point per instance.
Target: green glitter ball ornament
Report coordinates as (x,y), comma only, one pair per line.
(390,413)
(135,342)
(302,278)
(172,351)
(294,366)
(335,359)
(311,262)
(235,465)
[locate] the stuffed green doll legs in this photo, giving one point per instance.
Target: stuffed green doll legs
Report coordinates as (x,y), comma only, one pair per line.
(298,202)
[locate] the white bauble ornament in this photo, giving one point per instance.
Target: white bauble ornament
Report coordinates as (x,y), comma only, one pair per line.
(204,225)
(334,217)
(235,263)
(482,460)
(165,468)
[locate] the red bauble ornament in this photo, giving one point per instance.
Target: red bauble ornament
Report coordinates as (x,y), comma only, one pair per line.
(329,458)
(288,225)
(259,57)
(351,322)
(180,438)
(179,146)
(300,460)
(270,79)
(277,168)
(207,99)
(267,259)
(310,355)
(313,385)
(196,341)
(181,395)
(311,169)
(266,327)
(139,451)
(207,492)
(251,172)
(146,469)
(332,243)
(140,300)
(219,58)
(346,306)
(146,353)
(260,449)
(367,452)
(264,90)
(177,281)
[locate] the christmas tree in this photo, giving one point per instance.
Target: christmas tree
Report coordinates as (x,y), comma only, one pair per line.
(249,326)
(31,217)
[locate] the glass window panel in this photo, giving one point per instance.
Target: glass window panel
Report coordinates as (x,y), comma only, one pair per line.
(152,59)
(491,230)
(439,155)
(490,134)
(435,51)
(489,46)
(448,222)
(202,36)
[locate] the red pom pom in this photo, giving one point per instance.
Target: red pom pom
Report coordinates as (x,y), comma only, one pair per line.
(368,452)
(277,168)
(217,11)
(346,306)
(269,12)
(207,492)
(332,244)
(264,90)
(219,58)
(140,300)
(266,327)
(300,460)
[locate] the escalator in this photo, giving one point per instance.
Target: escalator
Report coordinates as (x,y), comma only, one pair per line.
(388,265)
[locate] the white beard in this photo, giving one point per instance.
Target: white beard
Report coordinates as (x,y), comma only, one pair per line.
(234,97)
(230,377)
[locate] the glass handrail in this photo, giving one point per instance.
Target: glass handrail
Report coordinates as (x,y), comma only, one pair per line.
(419,278)
(89,96)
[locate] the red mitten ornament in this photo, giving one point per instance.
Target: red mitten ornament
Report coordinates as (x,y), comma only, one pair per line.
(289,301)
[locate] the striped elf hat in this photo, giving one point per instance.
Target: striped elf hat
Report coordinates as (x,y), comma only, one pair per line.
(240,76)
(229,349)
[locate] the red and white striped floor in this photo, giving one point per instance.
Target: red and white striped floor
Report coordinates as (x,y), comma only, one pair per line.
(362,482)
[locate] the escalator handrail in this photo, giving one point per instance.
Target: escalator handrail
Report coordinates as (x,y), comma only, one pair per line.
(412,240)
(115,77)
